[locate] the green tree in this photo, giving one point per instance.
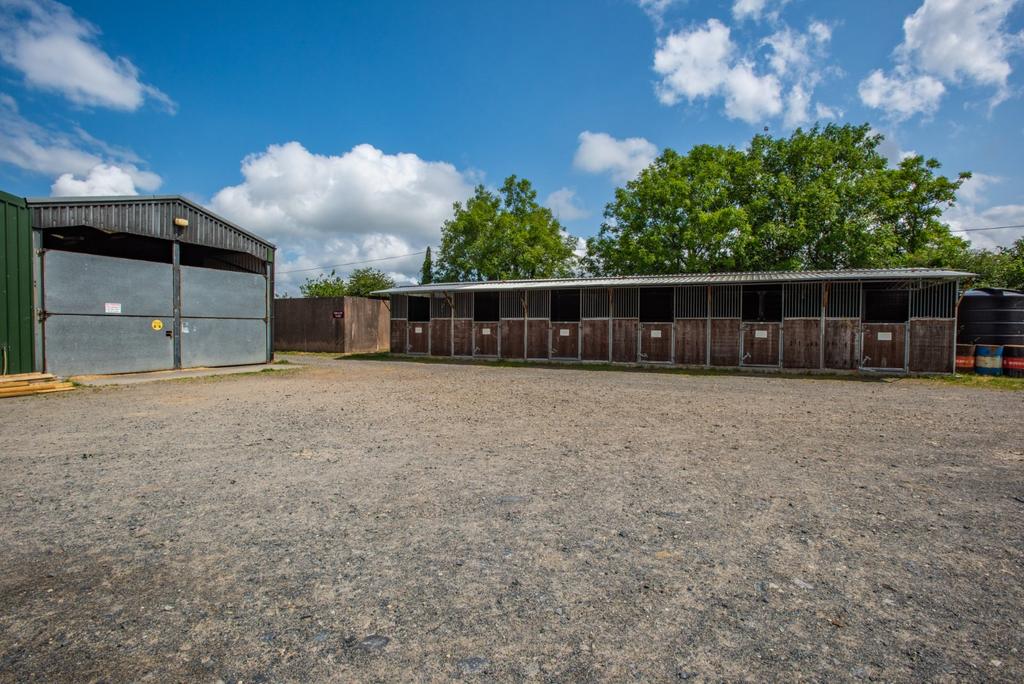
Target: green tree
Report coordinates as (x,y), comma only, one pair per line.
(324,286)
(503,235)
(679,215)
(427,273)
(363,281)
(819,199)
(1001,267)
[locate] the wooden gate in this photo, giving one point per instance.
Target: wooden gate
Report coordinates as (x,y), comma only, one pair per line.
(760,344)
(883,346)
(656,342)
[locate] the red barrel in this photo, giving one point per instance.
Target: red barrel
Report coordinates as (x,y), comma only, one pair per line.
(965,358)
(1013,361)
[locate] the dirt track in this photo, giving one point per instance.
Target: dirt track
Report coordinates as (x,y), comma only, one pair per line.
(380,521)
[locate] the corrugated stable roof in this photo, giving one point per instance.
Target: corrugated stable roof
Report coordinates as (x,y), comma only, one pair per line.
(149,215)
(683,279)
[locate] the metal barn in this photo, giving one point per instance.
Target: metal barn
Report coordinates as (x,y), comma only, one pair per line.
(892,320)
(126,284)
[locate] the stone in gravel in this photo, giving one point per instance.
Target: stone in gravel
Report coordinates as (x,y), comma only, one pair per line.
(472,664)
(803,585)
(374,642)
(511,499)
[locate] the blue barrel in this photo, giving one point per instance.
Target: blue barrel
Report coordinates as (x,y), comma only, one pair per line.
(988,359)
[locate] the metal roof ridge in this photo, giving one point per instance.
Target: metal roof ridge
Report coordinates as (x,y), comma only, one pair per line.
(767,276)
(125,199)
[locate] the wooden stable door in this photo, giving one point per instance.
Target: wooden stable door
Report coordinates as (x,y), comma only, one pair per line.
(883,346)
(624,332)
(565,340)
(485,339)
(760,344)
(419,337)
(656,343)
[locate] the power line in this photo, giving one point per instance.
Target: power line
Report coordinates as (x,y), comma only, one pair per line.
(971,230)
(352,263)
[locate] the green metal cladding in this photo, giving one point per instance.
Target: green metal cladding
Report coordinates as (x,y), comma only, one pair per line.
(16,331)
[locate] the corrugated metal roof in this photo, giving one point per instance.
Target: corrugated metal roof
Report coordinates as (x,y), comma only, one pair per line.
(152,216)
(683,279)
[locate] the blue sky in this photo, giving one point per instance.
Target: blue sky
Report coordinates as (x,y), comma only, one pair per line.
(344,132)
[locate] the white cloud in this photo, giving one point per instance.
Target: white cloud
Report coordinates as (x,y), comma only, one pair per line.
(328,209)
(946,42)
(704,61)
(38,149)
(750,97)
(797,57)
(624,159)
(820,31)
(656,9)
(693,63)
(56,51)
(962,39)
(969,212)
(757,9)
(823,111)
(102,180)
(565,205)
(797,103)
(901,96)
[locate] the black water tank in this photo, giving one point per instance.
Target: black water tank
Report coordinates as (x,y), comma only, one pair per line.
(991,316)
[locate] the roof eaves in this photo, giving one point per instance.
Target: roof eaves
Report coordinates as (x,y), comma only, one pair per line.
(681,279)
(128,199)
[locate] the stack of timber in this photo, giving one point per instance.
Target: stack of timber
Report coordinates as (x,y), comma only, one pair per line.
(23,384)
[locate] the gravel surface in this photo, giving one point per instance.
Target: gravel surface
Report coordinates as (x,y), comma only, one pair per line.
(383,521)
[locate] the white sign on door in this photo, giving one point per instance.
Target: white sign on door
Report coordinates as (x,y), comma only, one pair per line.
(112,308)
(564,332)
(418,330)
(655,333)
(485,331)
(763,334)
(885,337)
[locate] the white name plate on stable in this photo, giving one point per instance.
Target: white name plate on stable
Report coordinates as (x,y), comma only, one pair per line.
(418,329)
(485,331)
(763,334)
(885,337)
(112,307)
(564,332)
(655,333)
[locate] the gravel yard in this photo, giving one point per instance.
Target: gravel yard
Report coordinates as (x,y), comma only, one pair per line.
(396,521)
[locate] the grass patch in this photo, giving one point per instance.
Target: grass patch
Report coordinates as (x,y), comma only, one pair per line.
(972,381)
(993,382)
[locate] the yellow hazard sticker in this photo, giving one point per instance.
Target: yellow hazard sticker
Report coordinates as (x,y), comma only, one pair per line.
(157,324)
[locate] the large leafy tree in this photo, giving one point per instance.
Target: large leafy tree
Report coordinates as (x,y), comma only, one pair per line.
(503,235)
(820,198)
